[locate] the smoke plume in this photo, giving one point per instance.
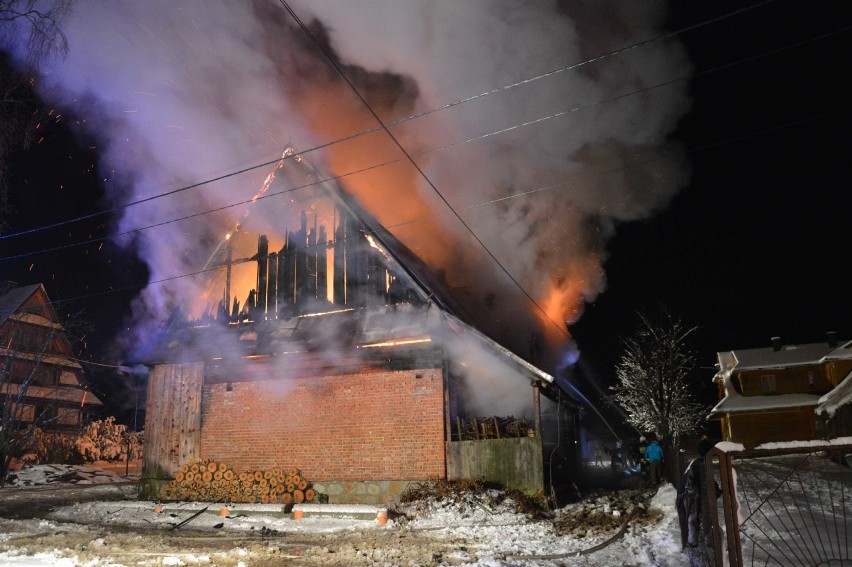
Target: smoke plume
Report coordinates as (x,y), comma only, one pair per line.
(184,92)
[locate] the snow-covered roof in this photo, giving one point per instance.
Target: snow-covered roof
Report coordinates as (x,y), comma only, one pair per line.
(839,396)
(734,402)
(786,356)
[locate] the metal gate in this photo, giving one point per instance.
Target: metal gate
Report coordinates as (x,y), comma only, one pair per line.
(785,506)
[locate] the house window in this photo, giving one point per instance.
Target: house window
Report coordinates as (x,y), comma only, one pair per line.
(66,377)
(27,413)
(810,377)
(67,416)
(767,384)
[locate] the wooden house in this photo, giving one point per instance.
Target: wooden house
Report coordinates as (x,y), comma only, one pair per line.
(40,381)
(776,393)
(347,362)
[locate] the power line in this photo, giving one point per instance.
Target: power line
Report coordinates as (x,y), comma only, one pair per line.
(536,190)
(424,217)
(198,214)
(705,147)
(394,123)
(414,164)
(390,162)
(588,61)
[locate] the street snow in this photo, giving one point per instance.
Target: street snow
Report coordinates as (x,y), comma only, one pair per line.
(87,527)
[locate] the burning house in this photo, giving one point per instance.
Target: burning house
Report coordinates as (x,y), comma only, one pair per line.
(348,360)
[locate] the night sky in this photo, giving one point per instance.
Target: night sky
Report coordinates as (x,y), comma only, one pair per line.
(754,247)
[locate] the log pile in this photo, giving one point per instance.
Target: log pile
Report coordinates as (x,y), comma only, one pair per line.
(208,481)
(470,429)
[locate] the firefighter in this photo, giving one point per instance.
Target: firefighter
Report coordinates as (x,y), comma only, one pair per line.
(654,456)
(643,464)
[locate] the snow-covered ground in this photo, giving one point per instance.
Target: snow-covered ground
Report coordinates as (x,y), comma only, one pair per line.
(87,528)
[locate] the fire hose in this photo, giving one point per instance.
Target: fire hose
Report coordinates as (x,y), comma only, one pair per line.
(587,551)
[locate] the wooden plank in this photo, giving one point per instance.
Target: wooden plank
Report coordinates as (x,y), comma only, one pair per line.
(173,417)
(193,432)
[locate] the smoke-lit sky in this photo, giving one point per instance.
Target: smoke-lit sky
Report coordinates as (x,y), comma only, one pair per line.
(646,179)
(177,94)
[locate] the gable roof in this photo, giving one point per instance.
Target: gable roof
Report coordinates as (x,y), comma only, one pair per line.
(13,306)
(432,312)
(426,287)
(15,298)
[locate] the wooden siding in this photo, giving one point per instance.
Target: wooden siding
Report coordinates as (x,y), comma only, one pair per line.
(515,463)
(173,418)
(838,370)
(753,429)
(797,380)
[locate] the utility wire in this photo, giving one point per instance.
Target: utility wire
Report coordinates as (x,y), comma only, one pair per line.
(390,162)
(394,123)
(588,61)
(410,221)
(414,164)
(198,214)
(708,146)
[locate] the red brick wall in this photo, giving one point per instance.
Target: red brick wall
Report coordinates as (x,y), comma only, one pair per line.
(368,426)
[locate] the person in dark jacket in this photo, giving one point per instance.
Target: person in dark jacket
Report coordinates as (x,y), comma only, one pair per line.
(617,457)
(688,501)
(643,463)
(654,456)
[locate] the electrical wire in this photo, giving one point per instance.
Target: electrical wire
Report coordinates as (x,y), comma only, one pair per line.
(391,162)
(331,61)
(394,123)
(419,170)
(536,190)
(705,147)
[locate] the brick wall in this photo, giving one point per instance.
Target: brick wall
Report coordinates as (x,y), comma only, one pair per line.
(368,426)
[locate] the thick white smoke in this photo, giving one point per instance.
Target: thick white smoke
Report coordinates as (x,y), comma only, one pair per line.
(184,92)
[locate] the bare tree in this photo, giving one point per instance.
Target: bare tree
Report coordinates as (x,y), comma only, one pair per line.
(34,27)
(653,380)
(37,24)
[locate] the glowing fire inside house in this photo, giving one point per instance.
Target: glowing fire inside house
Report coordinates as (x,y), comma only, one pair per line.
(330,261)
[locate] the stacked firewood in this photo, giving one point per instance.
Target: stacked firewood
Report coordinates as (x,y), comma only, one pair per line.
(492,428)
(206,480)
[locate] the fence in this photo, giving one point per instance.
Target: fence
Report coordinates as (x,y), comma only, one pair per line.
(790,505)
